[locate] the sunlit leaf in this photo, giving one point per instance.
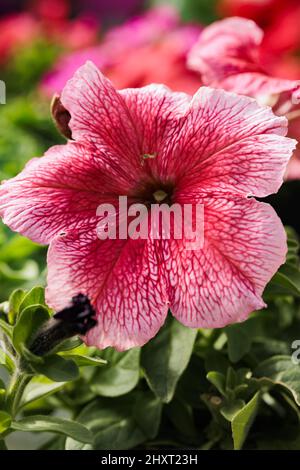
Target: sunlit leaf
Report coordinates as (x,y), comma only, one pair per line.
(120,423)
(242,421)
(166,356)
(280,370)
(120,375)
(57,368)
(53,424)
(5,421)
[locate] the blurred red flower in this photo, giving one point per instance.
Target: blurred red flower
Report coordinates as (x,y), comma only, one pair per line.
(280,21)
(55,21)
(229,55)
(151,48)
(263,12)
(46,20)
(16,30)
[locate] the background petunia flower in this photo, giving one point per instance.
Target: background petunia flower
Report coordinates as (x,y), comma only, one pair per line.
(228,55)
(16,30)
(150,48)
(279,20)
(21,29)
(215,148)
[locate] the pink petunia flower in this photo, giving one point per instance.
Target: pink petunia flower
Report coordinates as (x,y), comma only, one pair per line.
(16,30)
(24,28)
(215,148)
(279,20)
(56,24)
(228,55)
(151,48)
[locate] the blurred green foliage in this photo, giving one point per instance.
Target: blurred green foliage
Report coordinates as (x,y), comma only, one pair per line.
(203,11)
(27,132)
(22,262)
(26,66)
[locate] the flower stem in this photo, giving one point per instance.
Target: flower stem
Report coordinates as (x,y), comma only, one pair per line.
(15,391)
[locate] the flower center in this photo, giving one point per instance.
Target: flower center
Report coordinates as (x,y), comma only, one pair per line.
(154,192)
(160,195)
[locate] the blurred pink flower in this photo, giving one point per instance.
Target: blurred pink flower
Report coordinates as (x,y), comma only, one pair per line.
(21,29)
(228,55)
(279,20)
(16,30)
(151,48)
(77,33)
(56,24)
(215,148)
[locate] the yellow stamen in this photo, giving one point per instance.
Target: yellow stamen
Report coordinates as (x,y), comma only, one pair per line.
(160,195)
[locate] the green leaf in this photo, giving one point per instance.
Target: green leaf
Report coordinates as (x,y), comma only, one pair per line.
(57,368)
(18,247)
(30,357)
(293,246)
(6,328)
(242,421)
(70,343)
(280,370)
(241,335)
(166,356)
(231,379)
(121,374)
(28,272)
(2,445)
(83,361)
(231,408)
(6,361)
(56,443)
(5,421)
(29,321)
(15,300)
(239,341)
(285,282)
(52,424)
(218,380)
(2,396)
(36,296)
(40,387)
(120,423)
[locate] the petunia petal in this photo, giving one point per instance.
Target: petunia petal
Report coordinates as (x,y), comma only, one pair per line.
(227,56)
(100,115)
(229,143)
(155,109)
(259,85)
(244,245)
(234,38)
(61,190)
(121,277)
